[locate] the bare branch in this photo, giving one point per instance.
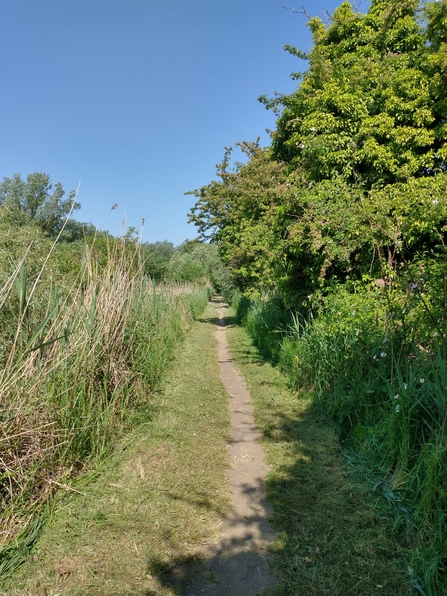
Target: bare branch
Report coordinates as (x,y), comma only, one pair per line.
(327,16)
(356,5)
(303,11)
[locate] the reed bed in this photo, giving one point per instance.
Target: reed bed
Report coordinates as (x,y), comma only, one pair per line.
(80,363)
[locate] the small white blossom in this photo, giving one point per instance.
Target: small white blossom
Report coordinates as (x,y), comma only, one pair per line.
(421,380)
(374,357)
(383,354)
(435,202)
(405,385)
(398,408)
(301,146)
(396,396)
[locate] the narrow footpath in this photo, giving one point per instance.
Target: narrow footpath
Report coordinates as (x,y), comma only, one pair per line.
(238,564)
(158,517)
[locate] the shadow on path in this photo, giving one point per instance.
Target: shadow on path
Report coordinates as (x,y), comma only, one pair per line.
(238,565)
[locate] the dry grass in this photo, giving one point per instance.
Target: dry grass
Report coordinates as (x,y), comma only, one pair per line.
(80,362)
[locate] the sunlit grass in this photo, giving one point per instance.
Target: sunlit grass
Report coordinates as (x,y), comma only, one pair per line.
(137,526)
(375,365)
(81,365)
(331,538)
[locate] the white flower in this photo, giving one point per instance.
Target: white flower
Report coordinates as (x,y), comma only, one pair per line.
(374,357)
(301,146)
(421,380)
(396,396)
(313,129)
(405,385)
(398,408)
(435,202)
(383,354)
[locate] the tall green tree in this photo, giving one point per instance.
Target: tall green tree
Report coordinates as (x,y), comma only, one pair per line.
(355,181)
(156,257)
(237,212)
(37,199)
(365,108)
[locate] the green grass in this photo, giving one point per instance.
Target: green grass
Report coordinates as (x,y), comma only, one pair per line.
(332,537)
(80,371)
(136,529)
(373,363)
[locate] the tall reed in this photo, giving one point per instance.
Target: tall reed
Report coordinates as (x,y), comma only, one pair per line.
(81,360)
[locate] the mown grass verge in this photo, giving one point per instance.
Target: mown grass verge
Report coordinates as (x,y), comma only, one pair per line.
(332,537)
(135,529)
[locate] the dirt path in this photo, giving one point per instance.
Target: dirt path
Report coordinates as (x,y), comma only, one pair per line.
(238,565)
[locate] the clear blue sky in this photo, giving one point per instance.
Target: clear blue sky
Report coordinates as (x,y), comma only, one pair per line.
(138,98)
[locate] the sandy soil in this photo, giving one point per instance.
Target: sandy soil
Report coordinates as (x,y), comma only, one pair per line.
(238,564)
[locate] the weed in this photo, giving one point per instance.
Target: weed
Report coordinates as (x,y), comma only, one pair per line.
(136,524)
(331,538)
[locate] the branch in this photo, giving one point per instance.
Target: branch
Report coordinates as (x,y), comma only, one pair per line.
(327,16)
(304,11)
(356,5)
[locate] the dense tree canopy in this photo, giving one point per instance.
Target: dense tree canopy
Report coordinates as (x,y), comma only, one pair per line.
(37,200)
(354,183)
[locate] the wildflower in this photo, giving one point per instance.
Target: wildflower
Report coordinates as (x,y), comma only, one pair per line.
(301,146)
(435,202)
(396,396)
(374,357)
(421,380)
(383,354)
(398,408)
(405,385)
(313,129)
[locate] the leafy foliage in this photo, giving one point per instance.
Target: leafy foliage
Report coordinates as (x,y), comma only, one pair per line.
(355,177)
(343,219)
(37,200)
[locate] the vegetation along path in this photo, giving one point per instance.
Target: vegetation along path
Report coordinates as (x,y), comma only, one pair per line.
(158,518)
